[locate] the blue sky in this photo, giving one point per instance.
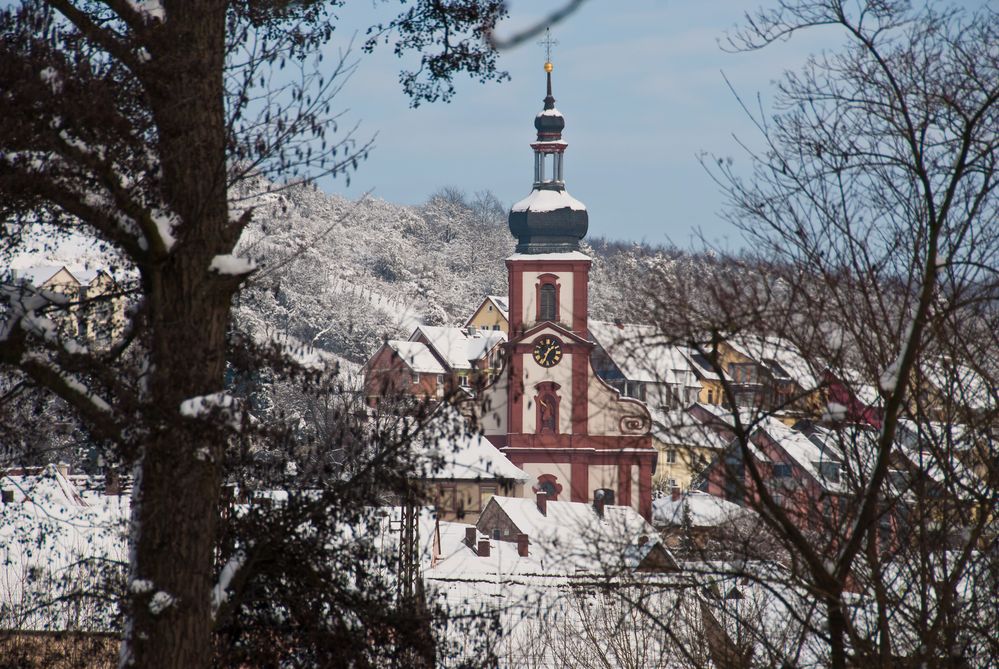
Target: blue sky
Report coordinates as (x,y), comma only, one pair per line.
(640,84)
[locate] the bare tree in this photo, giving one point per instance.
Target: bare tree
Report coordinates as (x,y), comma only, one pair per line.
(127,123)
(871,211)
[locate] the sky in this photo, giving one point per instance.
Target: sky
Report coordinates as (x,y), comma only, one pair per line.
(641,86)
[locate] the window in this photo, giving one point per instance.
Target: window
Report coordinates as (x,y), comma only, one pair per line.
(496,534)
(463,381)
(546,308)
(486,492)
(496,327)
(671,456)
(446,499)
(440,379)
(711,396)
(672,483)
(782,471)
(416,378)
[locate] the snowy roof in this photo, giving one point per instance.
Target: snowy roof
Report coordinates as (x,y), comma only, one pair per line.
(574,536)
(548,200)
(780,356)
(564,255)
(471,456)
(953,378)
(701,509)
(679,427)
(502,303)
(39,275)
(641,354)
(550,112)
(417,356)
(458,348)
(50,542)
(807,452)
(700,364)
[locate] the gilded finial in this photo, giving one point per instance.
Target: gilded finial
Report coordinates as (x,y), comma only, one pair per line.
(549,67)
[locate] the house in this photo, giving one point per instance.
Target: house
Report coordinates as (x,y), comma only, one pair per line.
(492,314)
(767,373)
(686,444)
(801,470)
(567,538)
(96,313)
(466,472)
(432,363)
(636,361)
(695,517)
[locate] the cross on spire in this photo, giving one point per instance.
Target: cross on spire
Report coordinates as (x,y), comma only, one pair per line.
(548,43)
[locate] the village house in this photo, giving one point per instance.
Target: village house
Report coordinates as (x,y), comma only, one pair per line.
(433,363)
(96,313)
(492,314)
(694,518)
(801,470)
(472,471)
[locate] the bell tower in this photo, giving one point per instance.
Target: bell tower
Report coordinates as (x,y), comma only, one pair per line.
(550,413)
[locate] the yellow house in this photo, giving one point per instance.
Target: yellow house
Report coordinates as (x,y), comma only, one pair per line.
(96,313)
(472,471)
(766,373)
(492,314)
(686,446)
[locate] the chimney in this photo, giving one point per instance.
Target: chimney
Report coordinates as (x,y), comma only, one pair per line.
(543,503)
(7,495)
(522,544)
(470,535)
(598,502)
(63,468)
(483,548)
(674,493)
(642,540)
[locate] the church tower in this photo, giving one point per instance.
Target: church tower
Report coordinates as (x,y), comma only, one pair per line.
(550,413)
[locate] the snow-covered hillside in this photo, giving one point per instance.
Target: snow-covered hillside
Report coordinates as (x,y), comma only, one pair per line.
(345,275)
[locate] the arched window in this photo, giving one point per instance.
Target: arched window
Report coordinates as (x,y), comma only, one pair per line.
(547,303)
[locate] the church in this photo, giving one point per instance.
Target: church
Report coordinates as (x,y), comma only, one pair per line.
(576,437)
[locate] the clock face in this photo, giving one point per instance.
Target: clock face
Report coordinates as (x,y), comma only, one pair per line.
(547,351)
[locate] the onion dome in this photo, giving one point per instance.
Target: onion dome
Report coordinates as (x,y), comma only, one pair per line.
(549,220)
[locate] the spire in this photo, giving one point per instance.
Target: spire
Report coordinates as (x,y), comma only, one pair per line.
(549,220)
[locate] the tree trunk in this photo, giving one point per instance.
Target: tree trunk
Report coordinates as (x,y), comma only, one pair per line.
(176,515)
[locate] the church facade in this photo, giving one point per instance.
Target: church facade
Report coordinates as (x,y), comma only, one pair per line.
(575,436)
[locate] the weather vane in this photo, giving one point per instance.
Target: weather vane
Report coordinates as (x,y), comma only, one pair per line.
(548,43)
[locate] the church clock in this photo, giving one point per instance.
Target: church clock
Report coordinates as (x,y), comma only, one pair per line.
(547,351)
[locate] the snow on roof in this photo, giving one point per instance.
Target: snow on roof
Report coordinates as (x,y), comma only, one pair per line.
(700,363)
(565,255)
(780,356)
(542,200)
(680,427)
(458,348)
(471,456)
(574,538)
(701,509)
(641,354)
(50,540)
(550,112)
(502,302)
(808,453)
(960,381)
(417,356)
(37,276)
